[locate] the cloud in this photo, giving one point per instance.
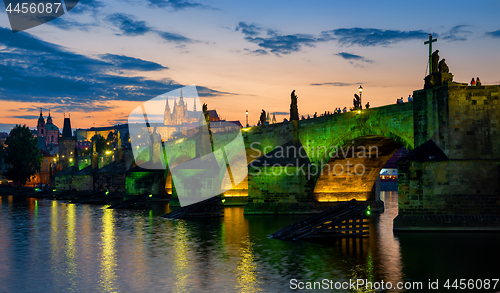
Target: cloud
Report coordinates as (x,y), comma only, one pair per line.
(88,6)
(249,30)
(175,4)
(257,52)
(273,41)
(457,33)
(353,57)
(494,34)
(282,44)
(281,113)
(4,127)
(128,26)
(32,70)
(29,117)
(371,36)
(67,24)
(131,63)
(334,84)
(173,37)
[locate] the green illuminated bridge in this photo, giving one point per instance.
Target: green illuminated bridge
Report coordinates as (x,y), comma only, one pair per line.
(452,130)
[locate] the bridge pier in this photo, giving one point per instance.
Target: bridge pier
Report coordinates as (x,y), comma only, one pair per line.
(451,181)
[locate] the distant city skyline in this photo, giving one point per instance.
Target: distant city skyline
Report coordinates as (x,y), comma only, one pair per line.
(103,59)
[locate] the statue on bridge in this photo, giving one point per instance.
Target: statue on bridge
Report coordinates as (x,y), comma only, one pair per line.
(356,102)
(434,61)
(294,109)
(262,117)
(443,67)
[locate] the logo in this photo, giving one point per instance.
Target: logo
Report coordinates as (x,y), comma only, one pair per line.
(25,14)
(170,132)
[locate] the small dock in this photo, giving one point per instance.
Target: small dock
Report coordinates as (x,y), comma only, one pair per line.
(344,220)
(211,207)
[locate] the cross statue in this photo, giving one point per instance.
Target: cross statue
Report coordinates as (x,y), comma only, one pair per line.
(430,41)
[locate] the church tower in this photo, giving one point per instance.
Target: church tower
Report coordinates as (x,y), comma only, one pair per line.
(180,114)
(49,119)
(167,117)
(41,125)
(274,118)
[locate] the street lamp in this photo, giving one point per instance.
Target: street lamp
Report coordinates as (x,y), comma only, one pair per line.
(360,89)
(247,116)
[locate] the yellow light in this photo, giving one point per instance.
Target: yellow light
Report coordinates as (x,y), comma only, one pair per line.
(359,111)
(180,140)
(360,89)
(138,136)
(71,159)
(108,152)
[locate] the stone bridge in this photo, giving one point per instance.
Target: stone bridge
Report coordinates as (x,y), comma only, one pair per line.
(331,158)
(453,167)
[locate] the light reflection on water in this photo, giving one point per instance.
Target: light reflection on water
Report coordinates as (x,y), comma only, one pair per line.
(51,246)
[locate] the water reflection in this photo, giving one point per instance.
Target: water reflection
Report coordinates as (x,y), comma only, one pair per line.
(247,269)
(181,265)
(64,247)
(108,261)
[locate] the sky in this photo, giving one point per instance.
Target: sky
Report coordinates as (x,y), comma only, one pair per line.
(102,59)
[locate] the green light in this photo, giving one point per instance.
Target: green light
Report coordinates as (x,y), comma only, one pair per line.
(368,213)
(150,195)
(37,189)
(54,189)
(107,192)
(223,201)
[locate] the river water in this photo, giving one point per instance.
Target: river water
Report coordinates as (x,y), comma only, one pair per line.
(53,246)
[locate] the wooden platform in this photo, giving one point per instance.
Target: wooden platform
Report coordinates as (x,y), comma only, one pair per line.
(346,219)
(211,207)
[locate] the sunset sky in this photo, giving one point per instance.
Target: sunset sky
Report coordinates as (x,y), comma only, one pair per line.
(103,59)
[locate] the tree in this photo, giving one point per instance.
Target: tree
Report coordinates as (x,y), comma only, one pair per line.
(263,117)
(111,137)
(2,151)
(294,109)
(100,143)
(22,154)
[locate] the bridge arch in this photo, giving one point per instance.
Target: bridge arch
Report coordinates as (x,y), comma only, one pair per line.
(352,167)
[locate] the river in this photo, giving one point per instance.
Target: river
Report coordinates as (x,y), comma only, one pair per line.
(54,246)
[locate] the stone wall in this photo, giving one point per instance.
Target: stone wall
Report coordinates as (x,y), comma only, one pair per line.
(144,182)
(464,121)
(274,184)
(465,187)
(462,190)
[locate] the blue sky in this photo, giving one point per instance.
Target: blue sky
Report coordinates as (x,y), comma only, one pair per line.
(103,58)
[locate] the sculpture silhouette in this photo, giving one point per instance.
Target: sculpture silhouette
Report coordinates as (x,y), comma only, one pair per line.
(294,109)
(263,117)
(434,61)
(443,67)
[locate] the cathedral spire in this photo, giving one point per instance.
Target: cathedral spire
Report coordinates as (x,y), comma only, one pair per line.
(167,116)
(49,119)
(181,99)
(194,107)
